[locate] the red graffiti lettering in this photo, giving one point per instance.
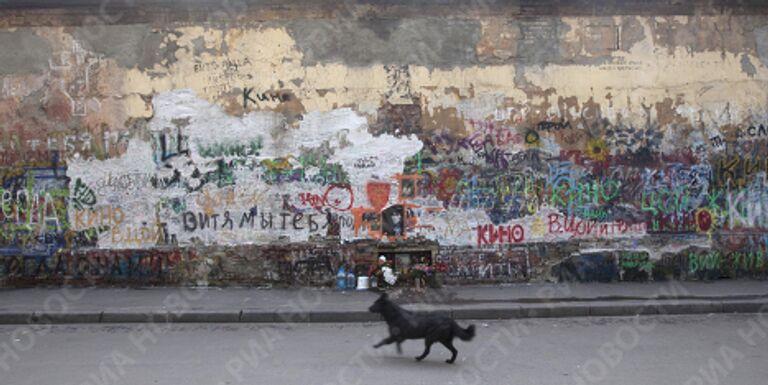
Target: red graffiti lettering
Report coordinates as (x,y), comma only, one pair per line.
(554,220)
(490,234)
(312,200)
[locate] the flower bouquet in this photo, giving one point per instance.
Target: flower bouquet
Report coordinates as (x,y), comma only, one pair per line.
(422,275)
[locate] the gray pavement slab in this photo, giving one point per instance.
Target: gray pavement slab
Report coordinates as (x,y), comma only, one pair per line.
(657,349)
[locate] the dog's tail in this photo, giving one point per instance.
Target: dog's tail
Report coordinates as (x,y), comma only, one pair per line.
(464,334)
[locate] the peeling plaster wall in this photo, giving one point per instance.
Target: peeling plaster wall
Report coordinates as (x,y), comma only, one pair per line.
(271,150)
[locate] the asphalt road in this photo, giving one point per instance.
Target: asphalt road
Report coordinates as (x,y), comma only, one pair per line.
(689,350)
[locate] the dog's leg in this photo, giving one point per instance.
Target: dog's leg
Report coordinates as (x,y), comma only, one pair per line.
(427,344)
(449,344)
(386,341)
(399,348)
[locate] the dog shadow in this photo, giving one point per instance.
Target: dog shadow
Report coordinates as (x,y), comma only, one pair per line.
(434,363)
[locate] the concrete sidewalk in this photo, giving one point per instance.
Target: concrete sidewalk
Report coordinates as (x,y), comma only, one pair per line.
(122,305)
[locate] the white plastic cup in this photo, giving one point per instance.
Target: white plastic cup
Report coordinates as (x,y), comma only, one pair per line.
(362,283)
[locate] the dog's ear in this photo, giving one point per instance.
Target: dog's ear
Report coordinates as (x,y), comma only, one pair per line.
(384,296)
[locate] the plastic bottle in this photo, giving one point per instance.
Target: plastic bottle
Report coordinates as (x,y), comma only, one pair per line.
(341,279)
(351,280)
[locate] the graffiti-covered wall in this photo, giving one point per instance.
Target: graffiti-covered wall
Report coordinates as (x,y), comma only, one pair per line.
(273,148)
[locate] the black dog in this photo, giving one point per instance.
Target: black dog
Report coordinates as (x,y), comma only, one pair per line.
(405,325)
